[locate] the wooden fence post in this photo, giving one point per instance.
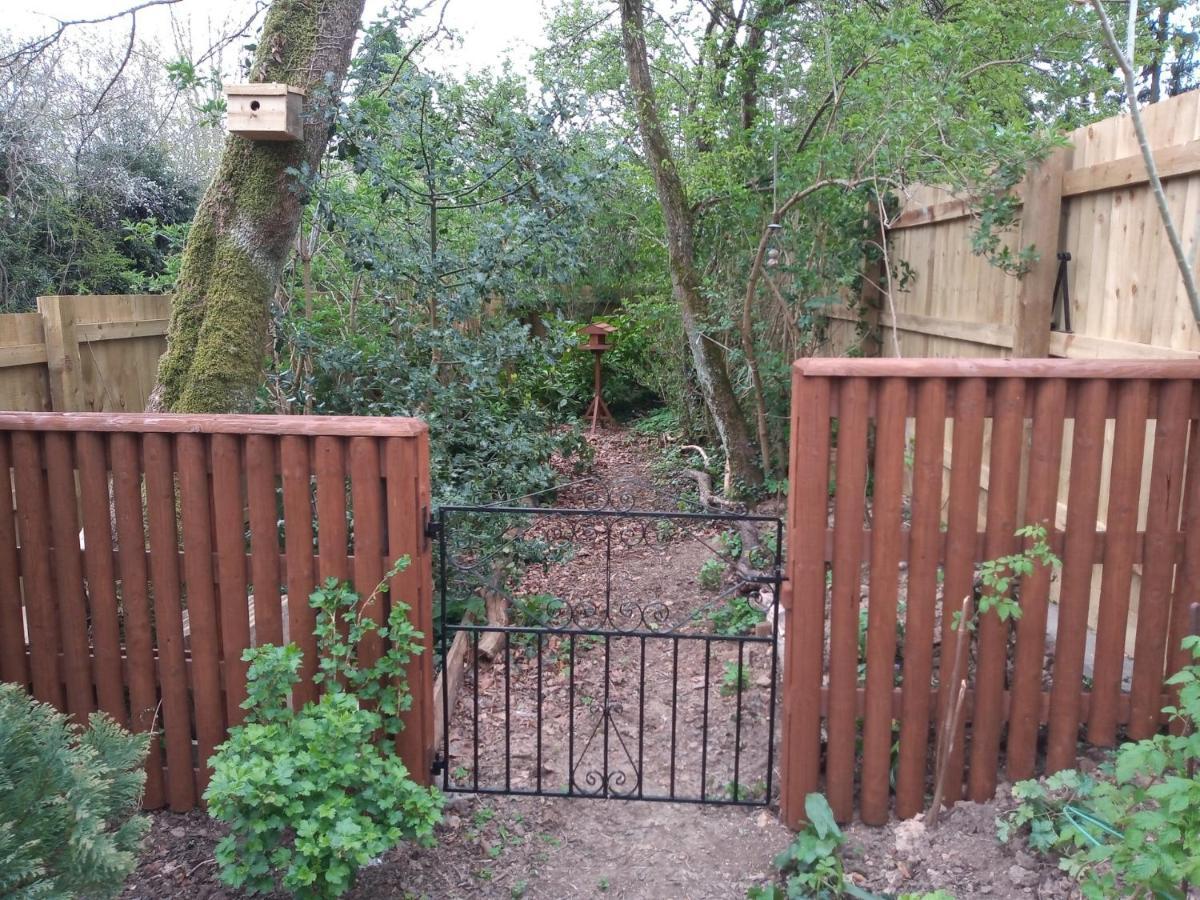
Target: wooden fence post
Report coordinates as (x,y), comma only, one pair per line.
(1041,218)
(62,354)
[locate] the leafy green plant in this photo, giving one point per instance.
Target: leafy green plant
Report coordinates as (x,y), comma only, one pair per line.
(734,679)
(811,866)
(1001,577)
(710,574)
(1135,829)
(312,795)
(736,616)
(69,799)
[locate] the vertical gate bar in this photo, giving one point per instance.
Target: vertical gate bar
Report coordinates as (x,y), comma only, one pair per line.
(704,726)
(737,723)
(135,601)
(962,530)
(854,396)
(805,600)
(1041,504)
(642,718)
(674,707)
(1125,487)
(68,575)
(445,650)
(882,599)
(1078,558)
(604,713)
(987,720)
(13,665)
(475,720)
(571,722)
(923,568)
(774,688)
(507,714)
(538,773)
(1158,561)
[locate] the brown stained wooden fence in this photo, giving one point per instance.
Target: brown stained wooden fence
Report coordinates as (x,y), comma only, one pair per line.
(142,554)
(863,531)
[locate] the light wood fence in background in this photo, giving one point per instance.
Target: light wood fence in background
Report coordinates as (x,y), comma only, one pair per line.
(83,354)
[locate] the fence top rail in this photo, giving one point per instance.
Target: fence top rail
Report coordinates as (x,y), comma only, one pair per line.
(182,423)
(998,368)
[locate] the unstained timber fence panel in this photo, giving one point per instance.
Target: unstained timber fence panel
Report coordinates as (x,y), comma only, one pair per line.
(880,560)
(141,555)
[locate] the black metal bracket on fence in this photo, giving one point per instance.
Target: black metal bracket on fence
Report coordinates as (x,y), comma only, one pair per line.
(1062,297)
(433,528)
(438,766)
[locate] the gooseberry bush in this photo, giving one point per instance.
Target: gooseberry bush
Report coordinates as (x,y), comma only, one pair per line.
(312,795)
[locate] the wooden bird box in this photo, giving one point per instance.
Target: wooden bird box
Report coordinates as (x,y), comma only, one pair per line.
(598,334)
(265,112)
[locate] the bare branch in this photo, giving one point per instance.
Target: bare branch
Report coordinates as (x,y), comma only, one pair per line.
(36,47)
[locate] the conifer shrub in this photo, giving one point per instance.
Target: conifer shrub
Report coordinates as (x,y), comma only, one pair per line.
(69,797)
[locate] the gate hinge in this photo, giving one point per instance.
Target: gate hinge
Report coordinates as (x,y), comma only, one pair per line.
(433,528)
(439,764)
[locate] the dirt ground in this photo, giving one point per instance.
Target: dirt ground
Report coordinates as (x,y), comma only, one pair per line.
(540,847)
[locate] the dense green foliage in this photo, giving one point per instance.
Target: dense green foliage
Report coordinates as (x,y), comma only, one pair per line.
(1133,829)
(312,795)
(69,798)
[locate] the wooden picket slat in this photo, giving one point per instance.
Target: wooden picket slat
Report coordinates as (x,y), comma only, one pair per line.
(1087,456)
(125,453)
(168,620)
(882,599)
(1004,482)
(1158,568)
(13,665)
(229,527)
(1125,477)
(1187,585)
(407,504)
(264,539)
(367,498)
(962,516)
(1024,715)
(804,656)
(930,439)
(41,607)
(68,575)
(849,508)
(201,603)
(96,506)
(330,465)
(298,537)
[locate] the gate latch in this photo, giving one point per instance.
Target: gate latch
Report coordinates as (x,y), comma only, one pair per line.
(439,764)
(433,528)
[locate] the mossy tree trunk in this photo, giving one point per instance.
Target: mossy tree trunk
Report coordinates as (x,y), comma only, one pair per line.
(246,223)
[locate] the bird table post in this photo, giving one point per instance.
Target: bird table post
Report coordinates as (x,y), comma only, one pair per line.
(598,335)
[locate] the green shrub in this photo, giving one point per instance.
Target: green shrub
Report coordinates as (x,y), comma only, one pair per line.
(734,679)
(68,801)
(313,795)
(811,866)
(1135,829)
(710,574)
(737,616)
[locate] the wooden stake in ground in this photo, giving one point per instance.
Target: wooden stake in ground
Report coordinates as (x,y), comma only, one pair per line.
(952,713)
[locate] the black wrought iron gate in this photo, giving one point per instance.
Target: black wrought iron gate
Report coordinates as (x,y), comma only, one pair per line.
(609,652)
